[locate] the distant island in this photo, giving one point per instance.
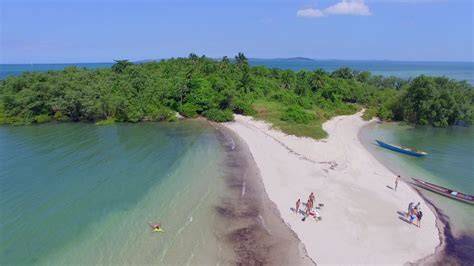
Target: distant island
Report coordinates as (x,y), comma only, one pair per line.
(296,102)
(289,58)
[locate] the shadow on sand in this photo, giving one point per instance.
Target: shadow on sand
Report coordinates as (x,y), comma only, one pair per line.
(300,211)
(403,216)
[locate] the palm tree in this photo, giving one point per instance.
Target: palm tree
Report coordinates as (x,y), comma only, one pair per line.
(224,62)
(194,58)
(241,59)
(317,79)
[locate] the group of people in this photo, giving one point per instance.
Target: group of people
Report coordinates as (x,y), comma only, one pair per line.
(414,213)
(310,203)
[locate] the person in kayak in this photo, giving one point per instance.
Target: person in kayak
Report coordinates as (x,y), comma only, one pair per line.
(154,226)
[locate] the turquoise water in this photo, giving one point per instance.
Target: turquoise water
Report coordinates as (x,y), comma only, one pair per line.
(450,163)
(7,70)
(79,193)
(454,70)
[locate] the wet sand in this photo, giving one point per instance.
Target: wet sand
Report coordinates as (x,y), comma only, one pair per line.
(452,250)
(251,223)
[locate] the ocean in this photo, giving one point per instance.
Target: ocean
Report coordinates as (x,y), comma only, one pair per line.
(76,193)
(449,163)
(401,69)
(453,70)
(7,70)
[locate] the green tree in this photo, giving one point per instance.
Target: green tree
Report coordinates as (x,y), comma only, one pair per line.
(120,66)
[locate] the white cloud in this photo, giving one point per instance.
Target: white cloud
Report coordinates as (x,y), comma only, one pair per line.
(349,7)
(345,7)
(309,12)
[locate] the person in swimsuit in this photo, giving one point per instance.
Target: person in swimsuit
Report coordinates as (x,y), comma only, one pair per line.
(298,205)
(309,206)
(396,182)
(311,197)
(410,207)
(418,217)
(413,214)
(154,226)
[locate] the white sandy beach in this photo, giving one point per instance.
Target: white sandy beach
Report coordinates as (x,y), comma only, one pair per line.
(361,221)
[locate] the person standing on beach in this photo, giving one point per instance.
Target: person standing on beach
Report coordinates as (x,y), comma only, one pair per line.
(413,215)
(311,197)
(298,205)
(309,206)
(410,207)
(396,182)
(417,206)
(418,217)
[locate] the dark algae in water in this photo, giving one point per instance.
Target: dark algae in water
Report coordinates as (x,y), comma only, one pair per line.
(253,226)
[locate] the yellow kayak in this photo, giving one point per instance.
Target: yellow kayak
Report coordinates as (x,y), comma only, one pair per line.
(156,230)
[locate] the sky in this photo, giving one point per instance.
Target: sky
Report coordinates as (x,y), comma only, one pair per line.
(74,31)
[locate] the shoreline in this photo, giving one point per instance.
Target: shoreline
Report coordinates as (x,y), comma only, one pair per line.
(454,244)
(360,208)
(250,222)
(437,255)
(441,223)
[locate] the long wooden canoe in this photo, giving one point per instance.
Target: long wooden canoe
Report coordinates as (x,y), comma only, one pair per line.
(401,149)
(445,191)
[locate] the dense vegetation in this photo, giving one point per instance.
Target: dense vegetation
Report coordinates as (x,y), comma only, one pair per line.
(296,102)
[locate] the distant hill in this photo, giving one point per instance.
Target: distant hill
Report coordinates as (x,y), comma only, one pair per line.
(296,58)
(283,59)
(147,61)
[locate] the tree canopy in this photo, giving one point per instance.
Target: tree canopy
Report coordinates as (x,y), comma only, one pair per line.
(196,85)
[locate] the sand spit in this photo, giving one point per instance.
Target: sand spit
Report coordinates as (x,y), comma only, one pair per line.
(363,217)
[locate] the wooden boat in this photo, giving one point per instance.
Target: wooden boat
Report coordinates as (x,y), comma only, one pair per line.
(401,149)
(445,191)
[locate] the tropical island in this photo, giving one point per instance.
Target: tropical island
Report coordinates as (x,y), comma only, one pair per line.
(265,115)
(295,102)
(139,133)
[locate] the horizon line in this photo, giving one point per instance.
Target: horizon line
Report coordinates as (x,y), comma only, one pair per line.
(250,58)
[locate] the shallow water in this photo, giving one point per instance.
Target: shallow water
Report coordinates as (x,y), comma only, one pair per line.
(75,193)
(79,193)
(449,163)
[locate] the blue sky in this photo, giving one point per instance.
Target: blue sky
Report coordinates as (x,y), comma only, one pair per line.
(54,31)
